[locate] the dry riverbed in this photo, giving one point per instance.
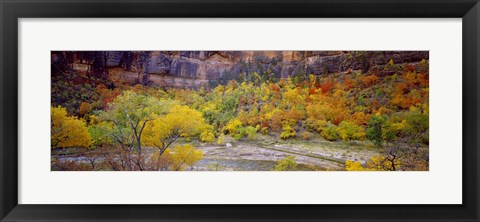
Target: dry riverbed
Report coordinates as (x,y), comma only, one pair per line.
(263,154)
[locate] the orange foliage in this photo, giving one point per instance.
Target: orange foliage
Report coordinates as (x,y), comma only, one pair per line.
(110,96)
(400,88)
(422,80)
(84,108)
(292,115)
(326,86)
(348,83)
(410,68)
(360,118)
(370,80)
(411,78)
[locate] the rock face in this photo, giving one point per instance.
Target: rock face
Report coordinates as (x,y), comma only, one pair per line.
(190,68)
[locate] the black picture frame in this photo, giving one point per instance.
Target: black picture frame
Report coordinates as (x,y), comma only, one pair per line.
(11,11)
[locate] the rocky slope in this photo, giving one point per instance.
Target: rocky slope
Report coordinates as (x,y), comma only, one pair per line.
(191,68)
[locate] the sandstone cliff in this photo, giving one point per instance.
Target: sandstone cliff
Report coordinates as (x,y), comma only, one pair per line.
(189,68)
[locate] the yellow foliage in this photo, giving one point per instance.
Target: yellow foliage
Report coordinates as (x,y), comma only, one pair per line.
(219,89)
(177,158)
(288,131)
(292,97)
(320,111)
(383,111)
(68,131)
(351,165)
(233,125)
(221,139)
(181,121)
(312,80)
(207,136)
(391,62)
(93,119)
(184,156)
(376,163)
(286,164)
(209,107)
(269,115)
(360,118)
(315,125)
(382,163)
(349,131)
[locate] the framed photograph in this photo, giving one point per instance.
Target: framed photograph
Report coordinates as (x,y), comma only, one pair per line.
(226,110)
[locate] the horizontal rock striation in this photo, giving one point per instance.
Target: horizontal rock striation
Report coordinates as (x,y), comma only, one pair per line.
(187,68)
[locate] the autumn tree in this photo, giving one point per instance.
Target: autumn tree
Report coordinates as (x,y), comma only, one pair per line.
(100,133)
(388,107)
(288,131)
(350,131)
(376,163)
(185,156)
(404,135)
(233,126)
(351,165)
(251,132)
(84,108)
(129,113)
(330,132)
(68,131)
(207,136)
(374,130)
(416,129)
(180,121)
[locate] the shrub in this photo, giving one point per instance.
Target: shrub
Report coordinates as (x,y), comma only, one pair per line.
(350,131)
(286,164)
(306,135)
(351,165)
(288,132)
(207,136)
(315,124)
(374,130)
(221,139)
(240,133)
(233,126)
(251,132)
(84,108)
(330,133)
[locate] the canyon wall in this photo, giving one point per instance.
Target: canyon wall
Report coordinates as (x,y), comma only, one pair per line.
(189,68)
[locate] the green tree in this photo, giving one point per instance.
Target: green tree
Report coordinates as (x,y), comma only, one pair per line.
(417,129)
(251,132)
(129,113)
(374,129)
(350,131)
(330,133)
